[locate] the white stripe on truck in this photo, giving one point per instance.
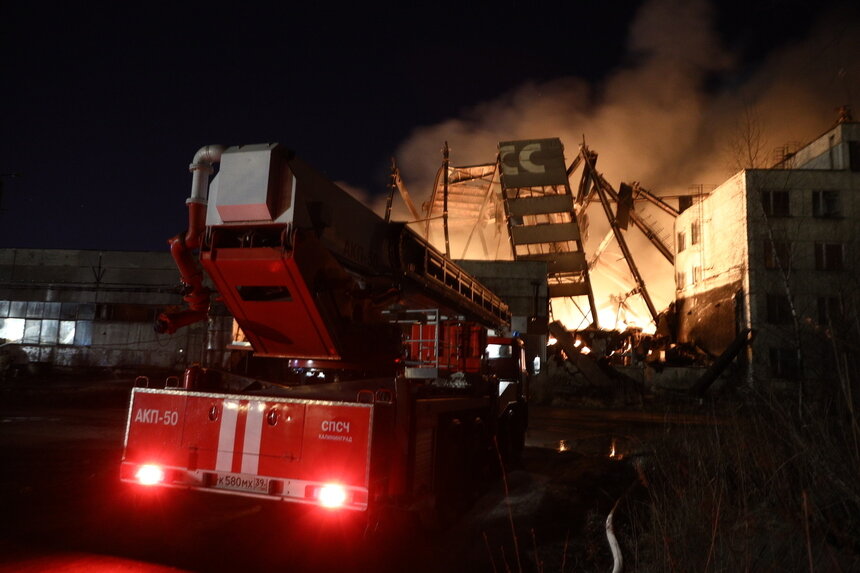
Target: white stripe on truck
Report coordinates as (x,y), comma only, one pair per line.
(253,437)
(227,436)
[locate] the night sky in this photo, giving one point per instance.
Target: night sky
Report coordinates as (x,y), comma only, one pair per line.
(103,108)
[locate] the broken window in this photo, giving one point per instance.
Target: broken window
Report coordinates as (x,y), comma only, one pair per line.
(777,254)
(697,275)
(778,309)
(695,233)
(828,256)
(775,203)
(680,280)
(825,204)
(682,241)
(684,203)
(784,363)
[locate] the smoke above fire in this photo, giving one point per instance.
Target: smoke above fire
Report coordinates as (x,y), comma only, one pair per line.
(683,112)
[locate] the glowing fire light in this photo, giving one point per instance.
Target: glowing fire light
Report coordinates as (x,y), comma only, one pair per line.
(332,495)
(562,446)
(585,350)
(149,475)
(551,341)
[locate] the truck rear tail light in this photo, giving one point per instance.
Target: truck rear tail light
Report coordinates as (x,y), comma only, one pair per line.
(150,474)
(331,495)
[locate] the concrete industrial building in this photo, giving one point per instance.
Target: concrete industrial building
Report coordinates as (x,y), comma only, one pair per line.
(775,251)
(95,309)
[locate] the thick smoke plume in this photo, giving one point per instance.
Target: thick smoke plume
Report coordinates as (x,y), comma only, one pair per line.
(681,113)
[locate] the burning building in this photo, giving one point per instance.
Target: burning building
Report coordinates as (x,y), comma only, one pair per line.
(775,251)
(769,252)
(530,205)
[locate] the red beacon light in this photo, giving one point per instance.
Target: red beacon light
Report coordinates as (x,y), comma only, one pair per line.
(150,474)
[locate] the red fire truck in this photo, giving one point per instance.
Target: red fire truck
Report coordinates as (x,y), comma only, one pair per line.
(372,371)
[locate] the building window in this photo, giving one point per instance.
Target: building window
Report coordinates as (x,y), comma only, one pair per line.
(46,323)
(828,256)
(695,233)
(682,241)
(12,329)
(784,363)
(67,332)
(680,280)
(778,309)
(32,328)
(697,275)
(775,203)
(777,254)
(83,333)
(854,155)
(825,204)
(829,310)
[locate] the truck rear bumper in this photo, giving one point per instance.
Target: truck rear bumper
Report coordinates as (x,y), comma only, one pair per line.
(331,494)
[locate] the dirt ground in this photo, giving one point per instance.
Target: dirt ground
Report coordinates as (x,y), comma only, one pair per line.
(547,514)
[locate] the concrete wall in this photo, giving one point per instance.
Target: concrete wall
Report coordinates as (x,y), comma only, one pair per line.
(523,285)
(798,278)
(830,150)
(711,319)
(82,309)
(712,274)
(721,253)
(517,283)
(737,235)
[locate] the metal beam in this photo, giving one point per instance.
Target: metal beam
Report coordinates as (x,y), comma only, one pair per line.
(652,236)
(600,185)
(397,182)
(654,200)
(445,201)
(640,223)
(480,218)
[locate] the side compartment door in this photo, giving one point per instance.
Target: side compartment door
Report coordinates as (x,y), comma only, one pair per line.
(154,432)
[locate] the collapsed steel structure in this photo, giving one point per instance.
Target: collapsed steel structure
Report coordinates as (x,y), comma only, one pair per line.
(528,191)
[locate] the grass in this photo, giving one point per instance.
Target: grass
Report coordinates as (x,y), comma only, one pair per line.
(766,489)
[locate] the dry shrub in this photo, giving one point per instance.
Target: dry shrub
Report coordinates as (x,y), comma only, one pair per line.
(761,489)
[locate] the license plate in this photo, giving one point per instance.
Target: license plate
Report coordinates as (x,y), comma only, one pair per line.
(238,482)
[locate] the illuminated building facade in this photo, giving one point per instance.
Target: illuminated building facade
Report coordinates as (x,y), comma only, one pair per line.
(776,251)
(78,309)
